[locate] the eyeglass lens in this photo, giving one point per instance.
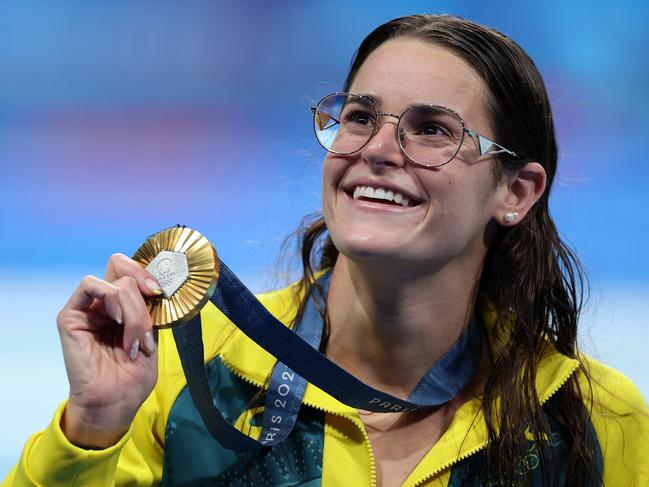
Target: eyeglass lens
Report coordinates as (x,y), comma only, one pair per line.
(428,135)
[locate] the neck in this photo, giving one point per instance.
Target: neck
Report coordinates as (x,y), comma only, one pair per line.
(389,331)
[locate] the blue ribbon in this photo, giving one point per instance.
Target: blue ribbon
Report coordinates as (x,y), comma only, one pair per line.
(301,361)
(286,388)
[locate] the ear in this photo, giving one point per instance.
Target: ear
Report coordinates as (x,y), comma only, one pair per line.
(524,187)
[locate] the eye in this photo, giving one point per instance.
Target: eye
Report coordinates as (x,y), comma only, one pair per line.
(431,124)
(359,117)
(432,130)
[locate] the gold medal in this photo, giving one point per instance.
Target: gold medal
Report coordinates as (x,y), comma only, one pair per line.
(186,266)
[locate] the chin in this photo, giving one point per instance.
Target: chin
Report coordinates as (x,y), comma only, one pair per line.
(367,248)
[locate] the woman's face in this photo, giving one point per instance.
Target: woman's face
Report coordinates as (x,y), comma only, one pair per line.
(450,205)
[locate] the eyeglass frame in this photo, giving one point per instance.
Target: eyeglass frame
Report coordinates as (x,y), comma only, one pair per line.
(483,144)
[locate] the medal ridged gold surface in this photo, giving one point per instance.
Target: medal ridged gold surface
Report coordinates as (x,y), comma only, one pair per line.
(203,263)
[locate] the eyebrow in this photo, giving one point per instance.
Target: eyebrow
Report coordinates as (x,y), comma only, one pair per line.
(377,100)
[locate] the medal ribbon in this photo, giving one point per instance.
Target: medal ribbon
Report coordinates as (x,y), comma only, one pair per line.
(286,388)
(301,361)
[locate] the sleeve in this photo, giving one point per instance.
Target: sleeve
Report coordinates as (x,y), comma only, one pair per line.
(620,417)
(49,459)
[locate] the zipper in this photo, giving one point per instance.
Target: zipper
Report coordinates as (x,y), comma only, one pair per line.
(370,452)
(357,422)
(482,445)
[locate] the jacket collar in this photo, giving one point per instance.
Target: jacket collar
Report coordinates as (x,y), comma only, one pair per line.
(467,433)
(254,364)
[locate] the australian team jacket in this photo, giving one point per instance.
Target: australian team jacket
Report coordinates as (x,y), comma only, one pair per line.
(167,443)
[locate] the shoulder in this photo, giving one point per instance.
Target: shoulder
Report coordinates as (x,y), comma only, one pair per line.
(218,330)
(620,419)
(609,388)
(223,338)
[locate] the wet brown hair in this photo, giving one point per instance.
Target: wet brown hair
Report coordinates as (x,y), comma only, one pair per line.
(532,277)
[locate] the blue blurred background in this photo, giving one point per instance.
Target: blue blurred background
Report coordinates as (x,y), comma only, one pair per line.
(120,118)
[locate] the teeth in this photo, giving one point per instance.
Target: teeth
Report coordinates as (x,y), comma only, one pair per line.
(380,194)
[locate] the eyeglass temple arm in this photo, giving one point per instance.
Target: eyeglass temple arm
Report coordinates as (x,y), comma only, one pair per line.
(484,144)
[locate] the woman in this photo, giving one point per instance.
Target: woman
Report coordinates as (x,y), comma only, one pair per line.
(435,202)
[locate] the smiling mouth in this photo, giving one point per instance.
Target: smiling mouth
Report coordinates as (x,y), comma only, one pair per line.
(381,195)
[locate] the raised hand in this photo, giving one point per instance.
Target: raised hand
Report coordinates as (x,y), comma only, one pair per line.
(109,351)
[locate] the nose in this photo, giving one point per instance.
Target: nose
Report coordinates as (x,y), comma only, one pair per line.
(383,148)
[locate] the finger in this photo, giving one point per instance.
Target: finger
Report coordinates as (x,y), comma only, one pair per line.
(147,340)
(137,321)
(120,266)
(92,288)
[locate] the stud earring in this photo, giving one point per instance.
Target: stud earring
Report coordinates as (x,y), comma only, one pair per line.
(510,216)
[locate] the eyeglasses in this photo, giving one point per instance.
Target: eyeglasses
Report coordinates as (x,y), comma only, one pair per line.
(428,135)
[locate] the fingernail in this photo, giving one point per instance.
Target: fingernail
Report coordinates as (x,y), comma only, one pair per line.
(134,349)
(149,344)
(118,315)
(153,286)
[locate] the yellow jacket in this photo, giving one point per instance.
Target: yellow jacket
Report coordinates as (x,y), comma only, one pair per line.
(167,444)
